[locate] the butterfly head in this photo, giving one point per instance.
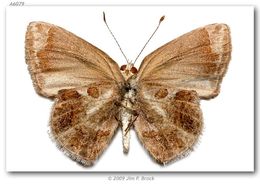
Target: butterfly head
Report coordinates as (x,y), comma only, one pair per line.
(128,70)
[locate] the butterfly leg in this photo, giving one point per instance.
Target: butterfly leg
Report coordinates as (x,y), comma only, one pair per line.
(118,120)
(131,123)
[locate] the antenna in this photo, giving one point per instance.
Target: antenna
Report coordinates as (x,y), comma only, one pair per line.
(104,18)
(161,19)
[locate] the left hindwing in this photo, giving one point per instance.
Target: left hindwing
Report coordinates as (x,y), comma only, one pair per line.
(83,121)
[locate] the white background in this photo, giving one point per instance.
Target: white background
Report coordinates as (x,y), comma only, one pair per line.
(228,135)
(183,179)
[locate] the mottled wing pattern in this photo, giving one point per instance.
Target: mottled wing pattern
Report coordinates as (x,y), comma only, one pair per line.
(169,125)
(171,81)
(85,84)
(83,121)
(196,61)
(58,59)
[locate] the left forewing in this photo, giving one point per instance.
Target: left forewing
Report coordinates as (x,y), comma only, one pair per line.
(58,59)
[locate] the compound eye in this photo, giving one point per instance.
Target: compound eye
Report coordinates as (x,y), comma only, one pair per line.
(123,67)
(134,70)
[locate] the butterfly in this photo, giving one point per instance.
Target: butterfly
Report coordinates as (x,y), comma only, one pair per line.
(93,96)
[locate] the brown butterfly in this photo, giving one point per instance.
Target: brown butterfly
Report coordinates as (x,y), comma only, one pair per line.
(93,96)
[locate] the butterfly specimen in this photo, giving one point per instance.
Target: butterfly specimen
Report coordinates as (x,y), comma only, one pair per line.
(93,97)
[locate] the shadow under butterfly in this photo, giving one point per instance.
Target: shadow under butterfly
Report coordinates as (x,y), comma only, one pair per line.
(93,96)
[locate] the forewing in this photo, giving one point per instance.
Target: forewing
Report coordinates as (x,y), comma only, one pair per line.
(58,59)
(196,61)
(169,126)
(83,121)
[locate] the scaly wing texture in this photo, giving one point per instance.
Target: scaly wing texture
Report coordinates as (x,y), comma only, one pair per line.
(171,81)
(196,61)
(57,59)
(83,121)
(169,125)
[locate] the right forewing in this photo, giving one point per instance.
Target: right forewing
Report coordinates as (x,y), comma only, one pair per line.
(196,61)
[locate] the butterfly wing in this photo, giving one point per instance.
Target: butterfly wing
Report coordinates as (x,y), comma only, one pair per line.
(58,59)
(83,121)
(171,81)
(85,84)
(196,61)
(169,127)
